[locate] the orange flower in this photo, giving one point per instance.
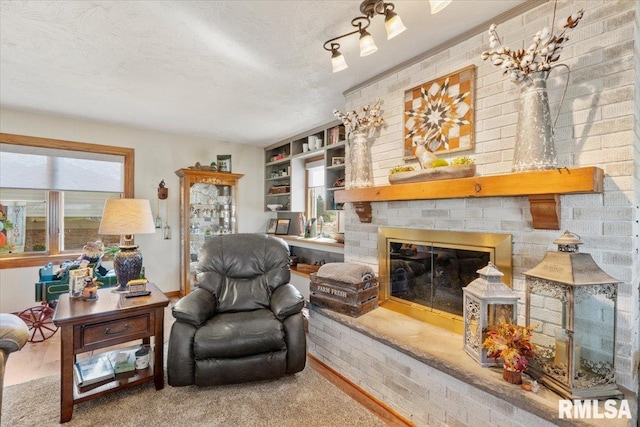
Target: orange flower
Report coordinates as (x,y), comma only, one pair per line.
(511,343)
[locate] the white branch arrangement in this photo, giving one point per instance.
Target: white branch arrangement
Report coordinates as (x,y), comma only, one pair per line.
(543,52)
(368,122)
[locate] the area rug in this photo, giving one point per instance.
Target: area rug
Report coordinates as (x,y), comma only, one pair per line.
(303,399)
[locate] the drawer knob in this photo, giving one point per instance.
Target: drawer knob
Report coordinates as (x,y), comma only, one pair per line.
(108,331)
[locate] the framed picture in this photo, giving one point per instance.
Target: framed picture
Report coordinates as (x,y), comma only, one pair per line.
(337,161)
(224,162)
(440,114)
(271,227)
(76,280)
(282,226)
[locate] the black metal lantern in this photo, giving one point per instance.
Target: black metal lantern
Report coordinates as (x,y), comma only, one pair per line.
(575,303)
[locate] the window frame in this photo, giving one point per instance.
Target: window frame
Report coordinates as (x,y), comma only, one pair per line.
(54,206)
(307,189)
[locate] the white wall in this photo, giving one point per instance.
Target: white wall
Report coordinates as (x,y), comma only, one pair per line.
(595,128)
(157,156)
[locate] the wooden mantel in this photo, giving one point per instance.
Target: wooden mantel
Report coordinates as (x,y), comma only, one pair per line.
(542,187)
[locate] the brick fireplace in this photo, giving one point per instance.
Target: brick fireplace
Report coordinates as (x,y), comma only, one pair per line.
(598,126)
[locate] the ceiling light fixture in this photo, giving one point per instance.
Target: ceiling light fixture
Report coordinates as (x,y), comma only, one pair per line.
(369,8)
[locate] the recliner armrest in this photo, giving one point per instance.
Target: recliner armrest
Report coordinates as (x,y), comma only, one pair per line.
(286,300)
(195,308)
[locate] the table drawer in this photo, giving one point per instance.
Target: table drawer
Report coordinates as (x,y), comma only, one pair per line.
(116,330)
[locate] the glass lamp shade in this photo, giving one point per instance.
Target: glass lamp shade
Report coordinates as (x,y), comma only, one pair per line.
(438,5)
(337,61)
(393,24)
(367,45)
(126,217)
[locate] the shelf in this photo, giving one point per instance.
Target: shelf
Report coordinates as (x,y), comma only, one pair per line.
(334,188)
(338,144)
(542,187)
(278,162)
(278,178)
(123,380)
(277,194)
(335,168)
(314,243)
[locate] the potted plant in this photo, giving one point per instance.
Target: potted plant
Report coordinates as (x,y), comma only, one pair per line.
(512,344)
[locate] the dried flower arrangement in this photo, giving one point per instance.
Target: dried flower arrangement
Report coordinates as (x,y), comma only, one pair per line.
(541,54)
(511,343)
(368,122)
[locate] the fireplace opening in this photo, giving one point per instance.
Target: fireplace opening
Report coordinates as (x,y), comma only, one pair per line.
(423,272)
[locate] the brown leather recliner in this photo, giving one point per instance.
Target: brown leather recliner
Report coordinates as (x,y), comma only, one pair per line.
(243,322)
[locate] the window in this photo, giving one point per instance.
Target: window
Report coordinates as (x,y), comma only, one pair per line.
(52,194)
(315,206)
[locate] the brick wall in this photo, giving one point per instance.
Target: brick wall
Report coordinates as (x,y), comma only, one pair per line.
(597,126)
(424,395)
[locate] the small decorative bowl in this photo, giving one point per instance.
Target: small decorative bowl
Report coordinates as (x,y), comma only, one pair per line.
(274,207)
(338,237)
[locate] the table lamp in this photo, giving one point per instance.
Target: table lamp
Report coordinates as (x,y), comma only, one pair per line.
(126,217)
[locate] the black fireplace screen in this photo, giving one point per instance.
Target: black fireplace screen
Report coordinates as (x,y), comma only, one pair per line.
(433,276)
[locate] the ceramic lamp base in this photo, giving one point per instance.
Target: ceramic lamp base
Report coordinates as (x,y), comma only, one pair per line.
(127,264)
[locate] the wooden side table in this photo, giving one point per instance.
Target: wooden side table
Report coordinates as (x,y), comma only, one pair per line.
(111,320)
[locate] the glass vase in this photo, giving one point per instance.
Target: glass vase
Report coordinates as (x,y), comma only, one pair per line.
(360,161)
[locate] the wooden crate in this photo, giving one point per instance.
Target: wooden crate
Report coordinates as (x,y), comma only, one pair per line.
(279,189)
(352,299)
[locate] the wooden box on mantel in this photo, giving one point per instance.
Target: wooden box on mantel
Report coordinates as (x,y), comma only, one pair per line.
(352,299)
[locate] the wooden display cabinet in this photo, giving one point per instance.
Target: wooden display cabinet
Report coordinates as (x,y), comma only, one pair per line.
(208,201)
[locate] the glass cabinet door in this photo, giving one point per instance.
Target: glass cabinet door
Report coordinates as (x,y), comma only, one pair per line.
(208,200)
(212,211)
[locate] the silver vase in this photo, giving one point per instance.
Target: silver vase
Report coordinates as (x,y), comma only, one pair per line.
(534,148)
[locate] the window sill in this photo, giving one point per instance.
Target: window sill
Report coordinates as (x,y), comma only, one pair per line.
(9,261)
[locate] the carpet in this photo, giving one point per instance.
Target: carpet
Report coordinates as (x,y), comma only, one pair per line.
(303,399)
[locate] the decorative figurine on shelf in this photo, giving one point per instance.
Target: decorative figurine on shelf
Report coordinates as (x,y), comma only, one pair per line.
(90,290)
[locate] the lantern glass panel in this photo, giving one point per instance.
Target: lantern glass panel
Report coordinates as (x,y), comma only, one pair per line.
(595,334)
(499,312)
(547,307)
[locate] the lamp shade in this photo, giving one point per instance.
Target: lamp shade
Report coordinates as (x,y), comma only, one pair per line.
(367,45)
(337,61)
(126,217)
(393,24)
(438,5)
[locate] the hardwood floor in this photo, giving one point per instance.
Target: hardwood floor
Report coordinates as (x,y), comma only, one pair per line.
(35,360)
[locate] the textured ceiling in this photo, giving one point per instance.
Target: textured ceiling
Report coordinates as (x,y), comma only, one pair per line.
(250,72)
